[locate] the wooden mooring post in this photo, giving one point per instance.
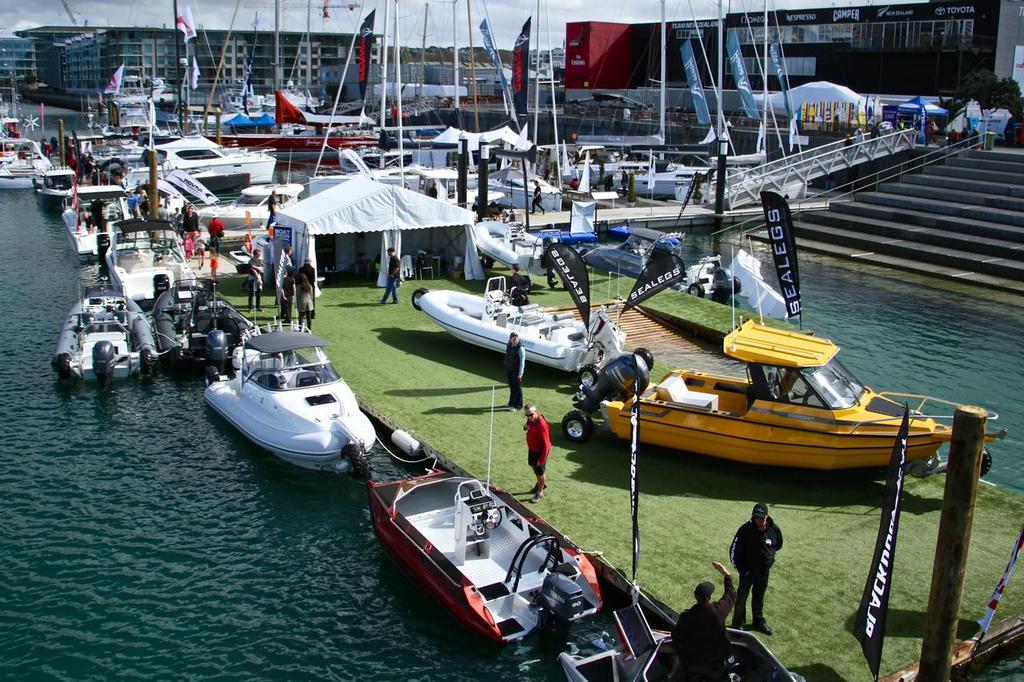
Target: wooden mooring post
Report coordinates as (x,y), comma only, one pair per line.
(962,474)
(60,141)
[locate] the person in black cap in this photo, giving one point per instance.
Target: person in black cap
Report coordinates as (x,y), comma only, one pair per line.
(753,553)
(699,635)
(519,294)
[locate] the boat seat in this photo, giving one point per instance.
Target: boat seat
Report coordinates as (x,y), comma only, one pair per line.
(307,378)
(528,308)
(674,390)
(577,336)
(501,319)
(531,319)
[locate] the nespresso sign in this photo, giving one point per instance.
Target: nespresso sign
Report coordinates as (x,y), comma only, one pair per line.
(862,14)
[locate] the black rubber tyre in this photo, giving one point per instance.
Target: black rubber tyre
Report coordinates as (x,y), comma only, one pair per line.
(211,375)
(358,459)
(146,361)
(986,461)
(487,262)
(63,366)
(695,290)
(577,426)
(416,297)
(647,355)
(736,286)
(588,375)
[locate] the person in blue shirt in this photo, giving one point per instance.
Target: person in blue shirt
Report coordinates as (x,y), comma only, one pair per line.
(515,363)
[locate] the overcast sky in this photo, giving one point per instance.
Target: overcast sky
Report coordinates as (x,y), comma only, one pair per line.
(506,16)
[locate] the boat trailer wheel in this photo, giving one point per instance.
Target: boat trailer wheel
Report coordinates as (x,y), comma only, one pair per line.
(695,290)
(416,295)
(358,459)
(588,375)
(986,461)
(577,426)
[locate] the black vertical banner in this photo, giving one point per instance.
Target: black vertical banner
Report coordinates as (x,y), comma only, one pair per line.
(869,625)
(365,49)
(573,272)
(662,271)
(521,70)
(634,469)
(689,192)
(783,244)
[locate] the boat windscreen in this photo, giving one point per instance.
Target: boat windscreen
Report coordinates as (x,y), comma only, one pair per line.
(635,632)
(834,383)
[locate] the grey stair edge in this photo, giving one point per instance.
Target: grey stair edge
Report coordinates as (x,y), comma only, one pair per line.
(968,199)
(958,220)
(824,218)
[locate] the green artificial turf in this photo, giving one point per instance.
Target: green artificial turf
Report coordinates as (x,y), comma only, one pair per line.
(439,388)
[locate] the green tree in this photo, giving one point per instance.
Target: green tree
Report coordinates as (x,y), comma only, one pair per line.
(992,92)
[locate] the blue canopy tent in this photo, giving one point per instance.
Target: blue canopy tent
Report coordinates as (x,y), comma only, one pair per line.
(242,121)
(914,106)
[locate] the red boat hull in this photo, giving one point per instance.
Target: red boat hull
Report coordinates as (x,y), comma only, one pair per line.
(296,143)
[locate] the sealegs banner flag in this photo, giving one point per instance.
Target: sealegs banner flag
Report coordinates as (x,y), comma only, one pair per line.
(662,271)
(365,48)
(521,69)
(783,245)
(485,29)
(573,271)
(869,625)
(997,596)
(634,474)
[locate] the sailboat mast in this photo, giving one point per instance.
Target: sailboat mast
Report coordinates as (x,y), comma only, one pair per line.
(277,45)
(423,57)
(764,78)
(398,87)
(178,70)
(554,107)
(472,64)
(384,79)
(536,85)
(661,118)
(455,61)
(309,49)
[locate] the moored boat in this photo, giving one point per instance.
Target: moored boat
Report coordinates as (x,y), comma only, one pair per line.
(252,207)
(196,325)
(499,570)
(797,407)
(105,336)
(287,398)
(21,160)
(106,205)
(55,185)
(145,258)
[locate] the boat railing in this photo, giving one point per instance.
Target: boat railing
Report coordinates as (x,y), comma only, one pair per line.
(924,400)
(554,553)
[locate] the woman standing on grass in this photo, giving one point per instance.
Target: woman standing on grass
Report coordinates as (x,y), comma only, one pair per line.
(304,297)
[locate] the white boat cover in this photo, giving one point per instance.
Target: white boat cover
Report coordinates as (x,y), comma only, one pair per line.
(362,205)
(502,134)
(762,298)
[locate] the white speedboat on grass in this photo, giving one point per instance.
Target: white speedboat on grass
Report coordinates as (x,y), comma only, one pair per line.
(145,258)
(252,207)
(511,244)
(287,398)
(105,336)
(555,339)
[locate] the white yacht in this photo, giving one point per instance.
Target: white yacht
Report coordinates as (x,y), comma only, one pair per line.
(252,208)
(145,258)
(55,185)
(106,205)
(21,160)
(194,154)
(509,182)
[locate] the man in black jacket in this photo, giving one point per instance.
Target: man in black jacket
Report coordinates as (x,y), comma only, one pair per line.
(753,553)
(699,635)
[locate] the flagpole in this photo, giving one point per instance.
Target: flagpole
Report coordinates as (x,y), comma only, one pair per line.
(177,66)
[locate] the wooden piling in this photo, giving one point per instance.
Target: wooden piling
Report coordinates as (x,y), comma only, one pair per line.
(154,193)
(955,522)
(60,141)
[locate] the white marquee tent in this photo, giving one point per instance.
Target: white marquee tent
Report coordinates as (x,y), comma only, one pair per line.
(818,91)
(361,212)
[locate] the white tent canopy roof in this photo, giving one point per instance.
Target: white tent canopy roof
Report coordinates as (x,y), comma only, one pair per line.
(502,134)
(818,91)
(364,205)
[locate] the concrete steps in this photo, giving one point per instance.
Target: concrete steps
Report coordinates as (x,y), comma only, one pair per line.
(967,261)
(963,220)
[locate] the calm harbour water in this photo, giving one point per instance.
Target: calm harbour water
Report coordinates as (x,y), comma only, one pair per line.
(145,538)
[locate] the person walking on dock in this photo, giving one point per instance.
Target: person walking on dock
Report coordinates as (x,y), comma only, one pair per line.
(537,198)
(753,553)
(286,295)
(699,635)
(538,445)
(394,274)
(515,363)
(255,279)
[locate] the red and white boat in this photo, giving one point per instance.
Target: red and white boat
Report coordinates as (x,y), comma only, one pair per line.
(498,569)
(343,134)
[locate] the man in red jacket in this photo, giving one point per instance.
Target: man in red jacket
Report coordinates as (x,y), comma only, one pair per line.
(538,442)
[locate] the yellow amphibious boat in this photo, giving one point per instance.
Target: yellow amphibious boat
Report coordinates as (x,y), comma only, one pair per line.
(797,407)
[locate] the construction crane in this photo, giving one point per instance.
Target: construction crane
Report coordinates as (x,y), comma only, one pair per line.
(70,12)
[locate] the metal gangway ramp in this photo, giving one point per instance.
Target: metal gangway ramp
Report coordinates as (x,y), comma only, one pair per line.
(791,174)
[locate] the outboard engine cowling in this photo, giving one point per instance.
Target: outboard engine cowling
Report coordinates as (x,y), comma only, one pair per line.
(161,283)
(561,600)
(620,378)
(721,285)
(103,360)
(217,348)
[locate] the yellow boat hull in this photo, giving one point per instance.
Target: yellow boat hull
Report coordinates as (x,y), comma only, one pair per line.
(773,434)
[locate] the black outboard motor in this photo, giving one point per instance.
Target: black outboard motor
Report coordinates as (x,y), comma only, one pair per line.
(620,378)
(103,360)
(217,348)
(561,600)
(102,245)
(161,283)
(723,285)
